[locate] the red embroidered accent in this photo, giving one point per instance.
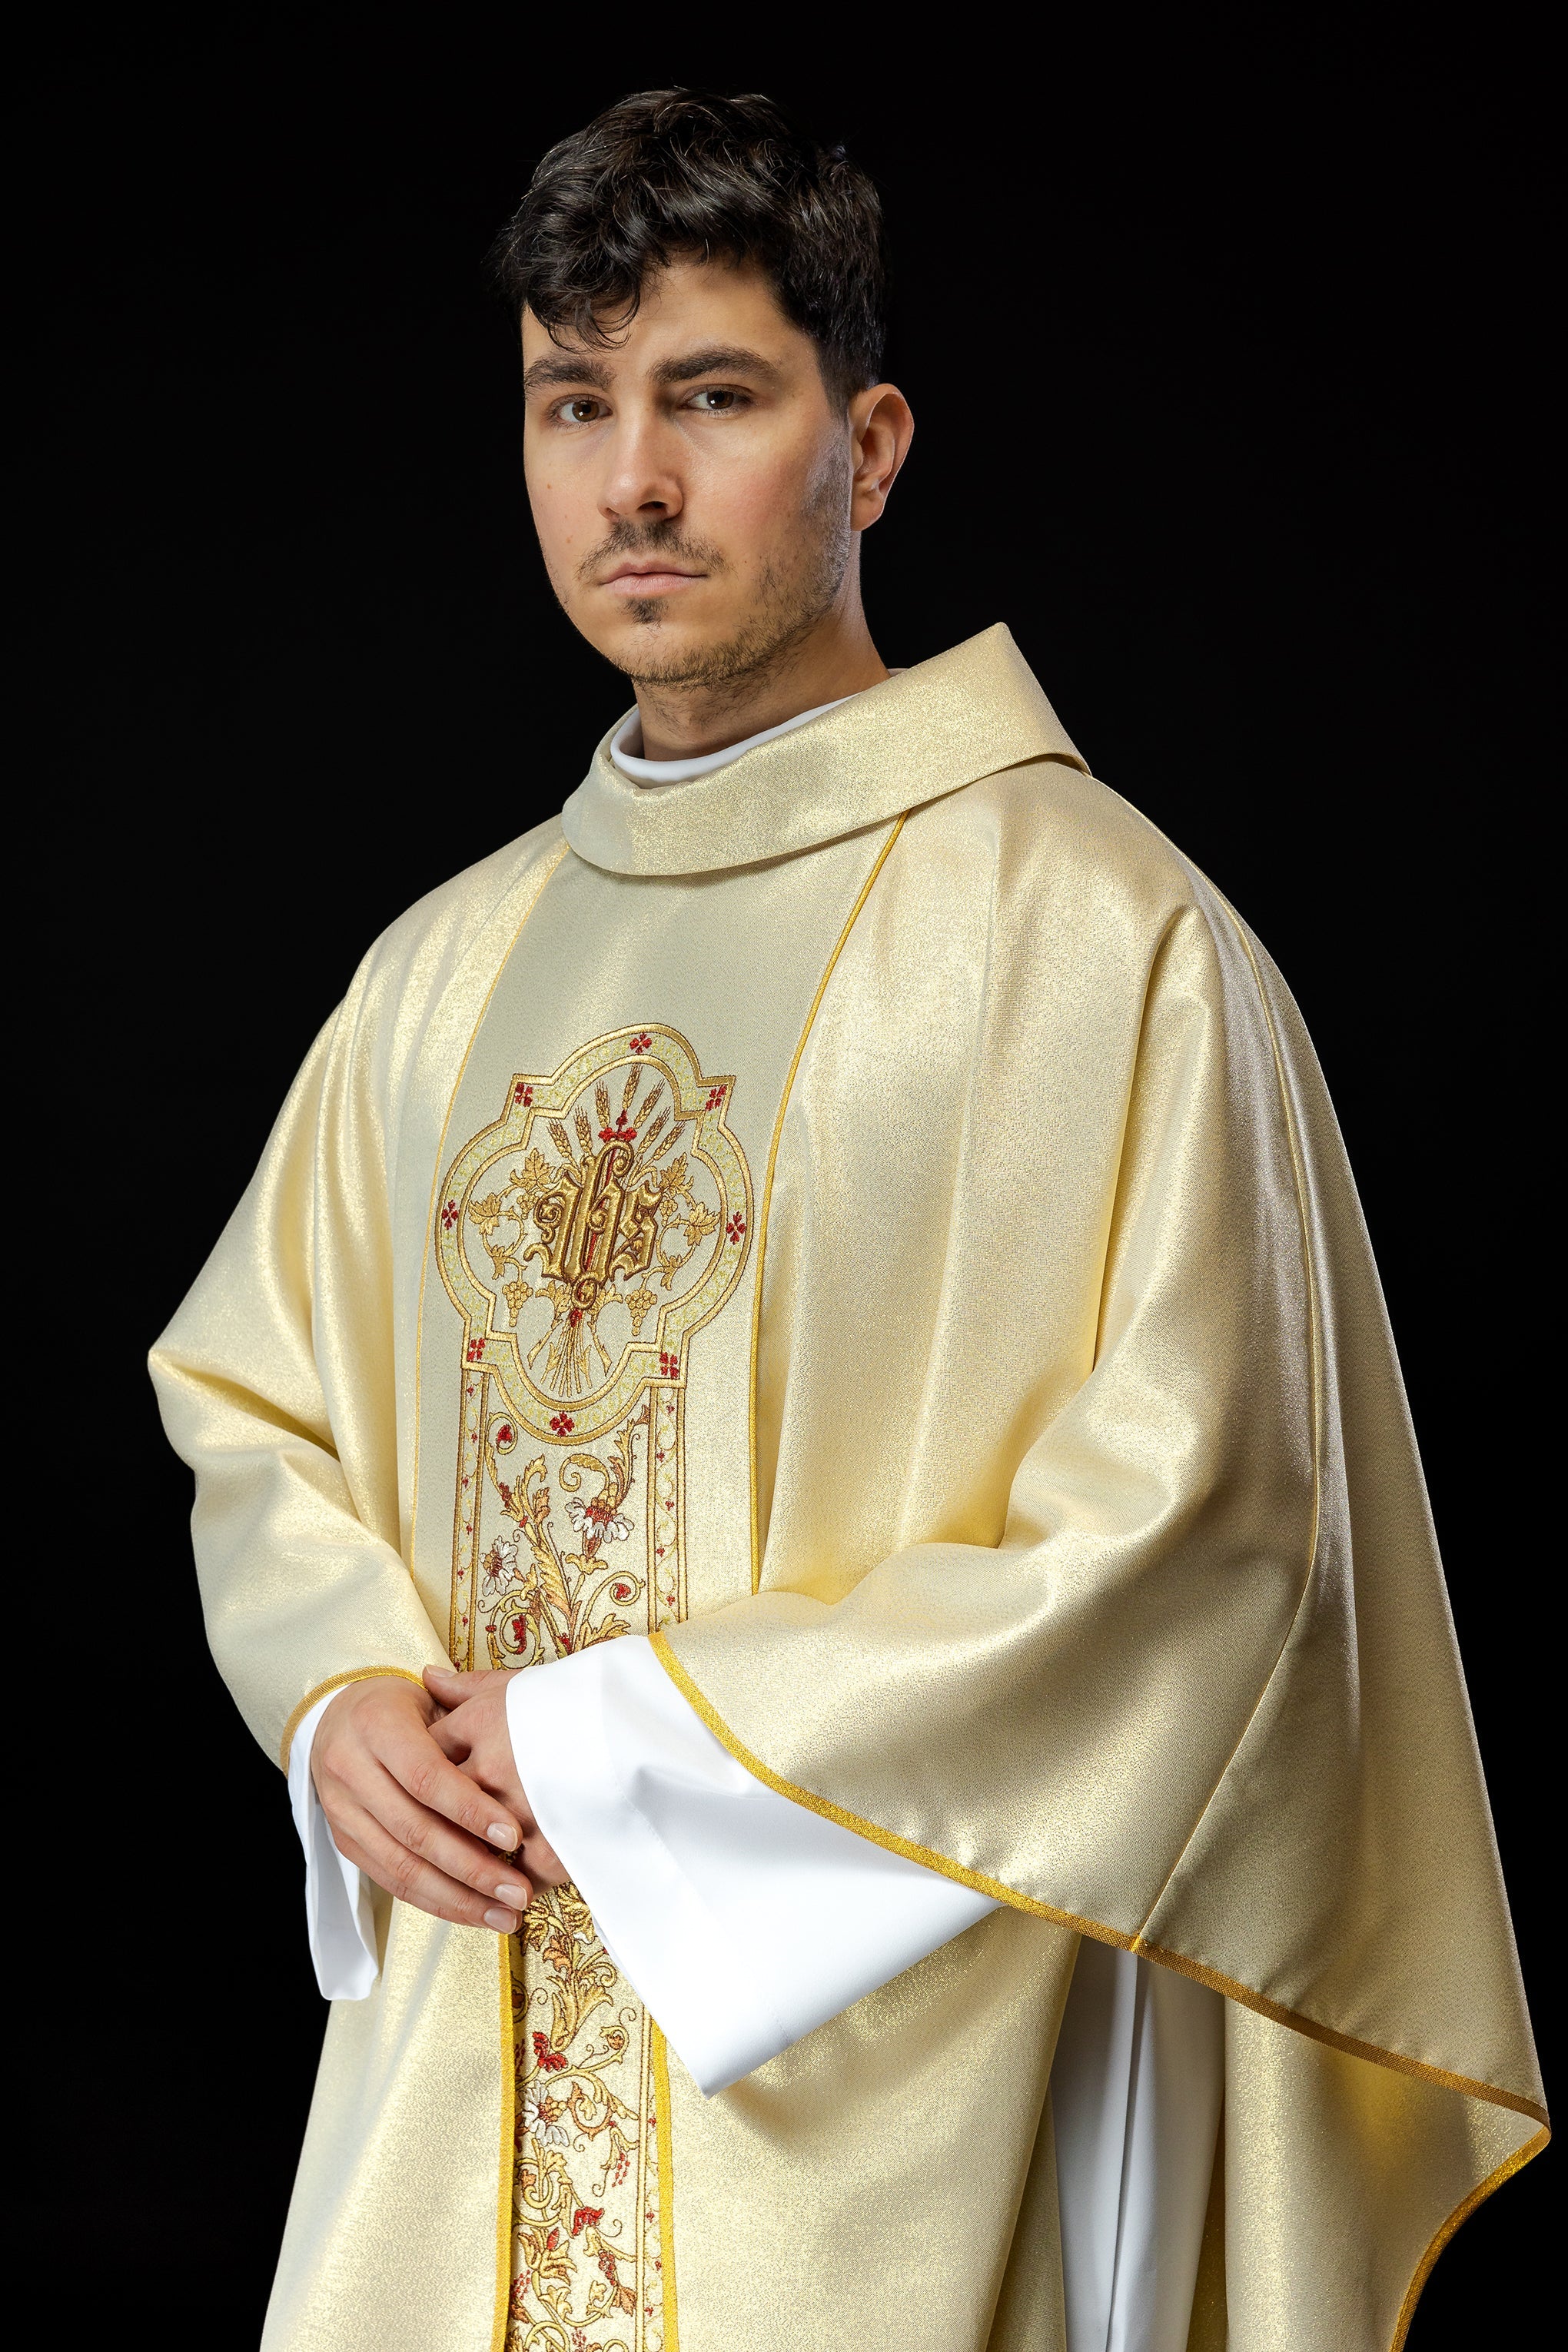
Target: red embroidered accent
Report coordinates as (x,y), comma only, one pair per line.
(619,1133)
(716,1096)
(669,1366)
(641,1044)
(562,1424)
(449,1216)
(505,1433)
(583,2216)
(522,1094)
(476,1350)
(736,1227)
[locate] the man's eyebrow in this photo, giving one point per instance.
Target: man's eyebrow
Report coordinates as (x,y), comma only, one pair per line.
(718,359)
(567,367)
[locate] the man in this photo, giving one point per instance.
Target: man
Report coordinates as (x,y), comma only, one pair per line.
(833,1259)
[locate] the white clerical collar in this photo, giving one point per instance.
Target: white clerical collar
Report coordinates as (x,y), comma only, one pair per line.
(676,772)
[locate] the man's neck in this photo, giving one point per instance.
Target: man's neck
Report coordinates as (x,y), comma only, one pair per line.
(686,723)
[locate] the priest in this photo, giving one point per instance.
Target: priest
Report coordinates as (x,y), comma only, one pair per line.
(798,1455)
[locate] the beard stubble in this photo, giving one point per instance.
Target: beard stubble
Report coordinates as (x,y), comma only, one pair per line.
(786,607)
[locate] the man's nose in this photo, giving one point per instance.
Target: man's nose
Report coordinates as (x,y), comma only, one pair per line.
(641,484)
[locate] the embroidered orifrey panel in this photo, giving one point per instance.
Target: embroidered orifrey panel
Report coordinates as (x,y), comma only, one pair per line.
(586,1238)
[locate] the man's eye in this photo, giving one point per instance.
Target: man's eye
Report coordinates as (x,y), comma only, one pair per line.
(714,400)
(581,409)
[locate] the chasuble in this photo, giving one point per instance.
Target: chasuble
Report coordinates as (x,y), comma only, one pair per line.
(867,1222)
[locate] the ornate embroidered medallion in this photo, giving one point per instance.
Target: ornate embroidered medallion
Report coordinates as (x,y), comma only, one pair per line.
(585,1238)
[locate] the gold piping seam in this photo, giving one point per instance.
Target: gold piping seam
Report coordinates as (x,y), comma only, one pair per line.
(666,2189)
(660,1643)
(339,1682)
(995,1887)
(436,1175)
(508,2153)
(1315,1349)
(768,1178)
(1461,2214)
(1374,2053)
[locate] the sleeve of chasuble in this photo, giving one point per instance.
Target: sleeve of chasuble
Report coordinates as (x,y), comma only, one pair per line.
(1044,1490)
(1095,1567)
(274,1381)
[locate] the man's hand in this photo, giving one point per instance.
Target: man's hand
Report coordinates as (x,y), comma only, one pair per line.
(406,1816)
(474,1734)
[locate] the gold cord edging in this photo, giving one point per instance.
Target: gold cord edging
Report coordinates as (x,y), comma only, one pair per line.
(768,1177)
(665,2188)
(508,2153)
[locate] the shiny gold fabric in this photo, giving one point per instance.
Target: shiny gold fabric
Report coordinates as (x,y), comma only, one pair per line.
(1048,1508)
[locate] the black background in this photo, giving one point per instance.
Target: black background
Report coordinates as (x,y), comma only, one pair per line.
(1228,366)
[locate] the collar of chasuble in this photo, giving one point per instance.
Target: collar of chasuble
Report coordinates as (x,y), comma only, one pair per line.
(926,732)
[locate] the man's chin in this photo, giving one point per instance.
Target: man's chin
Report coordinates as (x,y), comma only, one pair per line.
(657,651)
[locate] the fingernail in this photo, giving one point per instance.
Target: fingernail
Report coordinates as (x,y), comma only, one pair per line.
(501,1833)
(516,1895)
(505,1920)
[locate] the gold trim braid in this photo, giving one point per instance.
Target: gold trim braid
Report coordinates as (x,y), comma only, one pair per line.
(665,2187)
(508,2151)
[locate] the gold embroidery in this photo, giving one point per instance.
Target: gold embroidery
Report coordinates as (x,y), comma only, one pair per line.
(559,1601)
(580,2131)
(641,1212)
(585,1238)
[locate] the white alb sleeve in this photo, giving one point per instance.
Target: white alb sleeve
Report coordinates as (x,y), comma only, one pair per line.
(743,1920)
(1136,2087)
(337,1915)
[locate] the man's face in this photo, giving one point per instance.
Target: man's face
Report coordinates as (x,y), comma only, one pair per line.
(693,486)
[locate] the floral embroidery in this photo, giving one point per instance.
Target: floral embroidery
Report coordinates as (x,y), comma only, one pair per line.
(549,1603)
(584,2133)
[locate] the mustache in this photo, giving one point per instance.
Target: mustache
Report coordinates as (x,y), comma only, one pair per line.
(665,539)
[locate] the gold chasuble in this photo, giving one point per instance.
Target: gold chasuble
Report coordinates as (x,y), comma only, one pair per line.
(868,1217)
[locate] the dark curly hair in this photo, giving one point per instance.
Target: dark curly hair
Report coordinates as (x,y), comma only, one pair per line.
(671,173)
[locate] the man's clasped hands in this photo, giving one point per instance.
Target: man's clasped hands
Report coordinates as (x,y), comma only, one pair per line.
(421,1789)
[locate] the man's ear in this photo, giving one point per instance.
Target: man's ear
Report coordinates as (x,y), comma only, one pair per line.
(881,426)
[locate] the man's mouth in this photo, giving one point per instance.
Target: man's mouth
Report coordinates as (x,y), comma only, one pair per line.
(648,578)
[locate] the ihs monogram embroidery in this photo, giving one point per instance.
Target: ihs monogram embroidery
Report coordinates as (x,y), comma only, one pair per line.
(599,1220)
(586,1238)
(636,1232)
